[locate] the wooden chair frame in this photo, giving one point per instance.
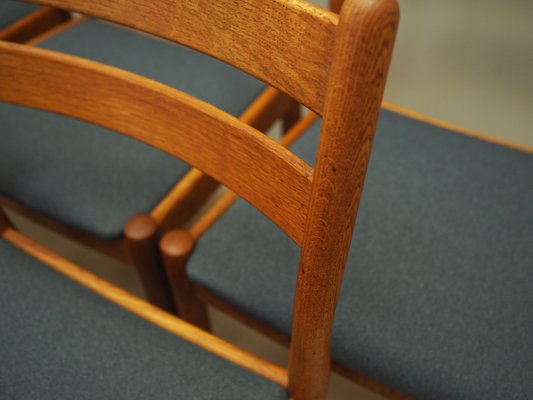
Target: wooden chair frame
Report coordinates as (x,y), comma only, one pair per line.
(140,307)
(139,247)
(34,24)
(335,66)
(192,298)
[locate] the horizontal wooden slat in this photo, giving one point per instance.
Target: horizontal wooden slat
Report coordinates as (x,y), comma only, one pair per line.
(285,43)
(262,171)
(146,310)
(218,209)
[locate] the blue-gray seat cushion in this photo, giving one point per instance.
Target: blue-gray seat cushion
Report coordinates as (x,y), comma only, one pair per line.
(59,340)
(11,11)
(437,298)
(91,178)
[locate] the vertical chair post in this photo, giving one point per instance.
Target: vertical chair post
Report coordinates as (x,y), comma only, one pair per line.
(141,233)
(176,248)
(358,71)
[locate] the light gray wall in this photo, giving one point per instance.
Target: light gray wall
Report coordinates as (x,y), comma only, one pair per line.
(469,62)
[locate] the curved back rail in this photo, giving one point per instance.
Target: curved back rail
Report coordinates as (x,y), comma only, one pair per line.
(205,137)
(248,34)
(336,67)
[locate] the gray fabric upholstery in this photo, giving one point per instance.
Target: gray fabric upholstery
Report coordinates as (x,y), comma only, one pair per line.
(11,11)
(91,178)
(437,298)
(59,340)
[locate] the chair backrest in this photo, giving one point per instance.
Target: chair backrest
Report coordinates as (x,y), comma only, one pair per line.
(335,66)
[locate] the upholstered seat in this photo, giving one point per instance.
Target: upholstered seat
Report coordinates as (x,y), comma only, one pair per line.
(59,340)
(437,299)
(103,177)
(11,11)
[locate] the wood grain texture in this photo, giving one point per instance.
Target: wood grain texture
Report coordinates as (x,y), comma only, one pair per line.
(205,137)
(190,194)
(243,33)
(34,24)
(360,64)
(221,205)
(319,218)
(147,311)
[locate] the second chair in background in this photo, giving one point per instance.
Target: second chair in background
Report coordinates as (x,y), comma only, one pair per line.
(88,183)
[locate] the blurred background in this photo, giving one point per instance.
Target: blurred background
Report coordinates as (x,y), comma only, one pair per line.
(466,62)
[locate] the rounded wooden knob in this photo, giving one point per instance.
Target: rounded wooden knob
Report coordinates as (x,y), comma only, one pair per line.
(140,227)
(177,243)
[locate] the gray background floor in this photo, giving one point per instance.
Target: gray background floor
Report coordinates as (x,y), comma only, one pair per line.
(467,62)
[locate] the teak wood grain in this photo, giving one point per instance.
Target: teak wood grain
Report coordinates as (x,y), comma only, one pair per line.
(175,209)
(235,154)
(338,71)
(146,310)
(192,192)
(217,210)
(361,58)
(243,33)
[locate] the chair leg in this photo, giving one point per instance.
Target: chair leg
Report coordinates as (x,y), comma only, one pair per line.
(141,233)
(176,248)
(291,116)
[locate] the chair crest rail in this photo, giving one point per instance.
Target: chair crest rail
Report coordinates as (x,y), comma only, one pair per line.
(245,34)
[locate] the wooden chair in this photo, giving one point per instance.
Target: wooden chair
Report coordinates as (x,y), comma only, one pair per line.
(20,22)
(335,67)
(68,334)
(437,294)
(87,184)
